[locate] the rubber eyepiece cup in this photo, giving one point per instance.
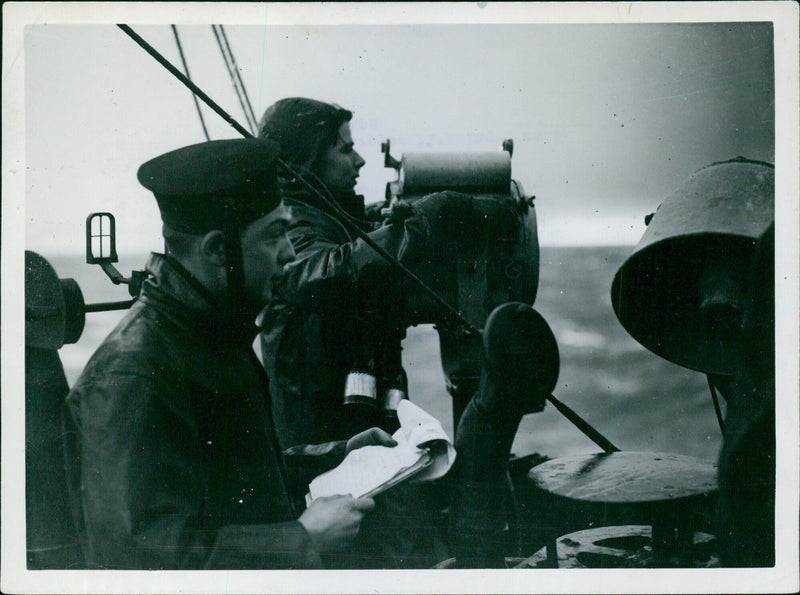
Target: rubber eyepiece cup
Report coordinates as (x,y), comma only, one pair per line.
(521,352)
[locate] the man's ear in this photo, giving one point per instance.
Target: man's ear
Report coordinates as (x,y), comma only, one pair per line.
(212,247)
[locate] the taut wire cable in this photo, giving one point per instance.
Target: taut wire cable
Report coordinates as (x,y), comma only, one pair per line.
(239,78)
(230,65)
(186,70)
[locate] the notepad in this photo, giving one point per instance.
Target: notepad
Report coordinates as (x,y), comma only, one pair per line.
(423,453)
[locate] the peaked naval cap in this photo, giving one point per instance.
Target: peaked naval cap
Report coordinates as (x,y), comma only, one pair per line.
(197,187)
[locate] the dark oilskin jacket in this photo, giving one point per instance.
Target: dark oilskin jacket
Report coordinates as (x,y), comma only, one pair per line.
(174,461)
(309,337)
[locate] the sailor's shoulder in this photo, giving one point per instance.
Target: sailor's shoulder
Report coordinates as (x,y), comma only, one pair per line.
(140,344)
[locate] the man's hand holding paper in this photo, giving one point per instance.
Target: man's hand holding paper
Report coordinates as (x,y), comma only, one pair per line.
(371,437)
(423,452)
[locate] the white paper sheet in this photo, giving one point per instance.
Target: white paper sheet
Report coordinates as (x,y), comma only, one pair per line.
(366,468)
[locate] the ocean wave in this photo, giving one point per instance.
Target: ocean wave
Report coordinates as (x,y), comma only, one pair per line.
(584,339)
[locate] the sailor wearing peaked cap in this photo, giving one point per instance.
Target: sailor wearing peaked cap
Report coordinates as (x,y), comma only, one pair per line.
(173,460)
(220,185)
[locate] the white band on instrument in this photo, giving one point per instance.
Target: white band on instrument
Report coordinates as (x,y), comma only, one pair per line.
(392,398)
(360,387)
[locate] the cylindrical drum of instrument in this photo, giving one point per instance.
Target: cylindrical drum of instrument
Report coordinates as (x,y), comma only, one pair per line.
(424,172)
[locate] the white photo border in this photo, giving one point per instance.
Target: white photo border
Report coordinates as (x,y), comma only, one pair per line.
(784,577)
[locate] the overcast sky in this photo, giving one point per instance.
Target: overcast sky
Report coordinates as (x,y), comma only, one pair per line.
(607,119)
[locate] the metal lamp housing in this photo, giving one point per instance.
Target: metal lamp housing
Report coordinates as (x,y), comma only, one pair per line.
(680,294)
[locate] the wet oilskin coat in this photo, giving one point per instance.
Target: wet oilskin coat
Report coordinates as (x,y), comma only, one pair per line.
(308,340)
(172,446)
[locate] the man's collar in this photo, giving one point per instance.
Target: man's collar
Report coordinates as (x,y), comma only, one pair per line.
(175,288)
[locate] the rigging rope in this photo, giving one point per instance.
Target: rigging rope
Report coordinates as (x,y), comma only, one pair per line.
(239,78)
(347,219)
(236,81)
(181,77)
(188,76)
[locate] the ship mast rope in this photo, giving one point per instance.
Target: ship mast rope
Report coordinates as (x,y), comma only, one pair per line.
(350,221)
(186,69)
(235,75)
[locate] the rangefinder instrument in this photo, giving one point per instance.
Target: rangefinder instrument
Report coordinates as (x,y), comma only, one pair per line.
(473,277)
